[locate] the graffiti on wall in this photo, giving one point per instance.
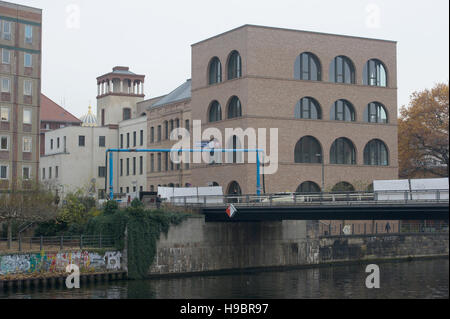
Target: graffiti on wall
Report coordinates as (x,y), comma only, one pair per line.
(57,262)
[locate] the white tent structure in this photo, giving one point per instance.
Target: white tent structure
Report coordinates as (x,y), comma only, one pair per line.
(192,195)
(414,189)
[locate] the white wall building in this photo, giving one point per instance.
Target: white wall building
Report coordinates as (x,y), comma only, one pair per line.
(75,157)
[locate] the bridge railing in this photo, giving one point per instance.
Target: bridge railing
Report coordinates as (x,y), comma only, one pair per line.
(356,228)
(335,198)
(57,243)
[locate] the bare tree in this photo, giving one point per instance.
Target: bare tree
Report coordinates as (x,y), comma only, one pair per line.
(33,203)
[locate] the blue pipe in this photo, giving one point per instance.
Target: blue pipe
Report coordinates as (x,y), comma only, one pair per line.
(111,151)
(111,176)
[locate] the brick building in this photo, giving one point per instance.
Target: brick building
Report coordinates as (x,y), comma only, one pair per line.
(333,99)
(20,85)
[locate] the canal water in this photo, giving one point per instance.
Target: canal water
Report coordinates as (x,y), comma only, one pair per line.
(414,279)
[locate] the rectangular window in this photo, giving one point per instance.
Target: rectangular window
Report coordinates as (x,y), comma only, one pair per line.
(141,165)
(4,114)
(152,135)
(166,130)
(128,167)
(6,30)
(128,140)
(56,171)
(51,144)
(159,133)
(3,172)
(187,126)
(121,167)
(27,144)
(27,115)
(28,88)
(142,138)
(102,171)
(121,141)
(49,173)
(6,85)
(102,141)
(28,60)
(166,161)
(4,143)
(57,143)
(29,34)
(159,162)
(81,141)
(134,166)
(134,139)
(6,56)
(152,163)
(43,173)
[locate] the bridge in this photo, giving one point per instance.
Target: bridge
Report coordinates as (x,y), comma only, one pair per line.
(392,205)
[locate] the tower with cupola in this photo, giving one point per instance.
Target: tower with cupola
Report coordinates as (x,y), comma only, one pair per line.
(118,92)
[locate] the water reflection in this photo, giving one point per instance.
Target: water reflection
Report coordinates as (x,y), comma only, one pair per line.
(417,279)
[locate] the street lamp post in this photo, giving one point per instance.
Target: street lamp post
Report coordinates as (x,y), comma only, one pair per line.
(323,171)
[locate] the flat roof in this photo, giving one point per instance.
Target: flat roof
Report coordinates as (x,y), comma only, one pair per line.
(291,30)
(19,6)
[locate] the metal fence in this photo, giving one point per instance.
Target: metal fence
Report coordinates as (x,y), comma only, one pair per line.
(334,198)
(20,244)
(337,228)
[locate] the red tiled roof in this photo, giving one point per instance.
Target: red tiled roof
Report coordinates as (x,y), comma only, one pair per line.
(52,112)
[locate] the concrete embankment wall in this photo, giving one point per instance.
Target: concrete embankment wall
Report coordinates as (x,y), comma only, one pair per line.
(199,247)
(48,263)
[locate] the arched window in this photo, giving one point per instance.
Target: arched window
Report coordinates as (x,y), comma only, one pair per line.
(343,152)
(234,66)
(375,73)
(375,113)
(234,108)
(343,187)
(215,112)
(376,154)
(126,114)
(234,189)
(343,110)
(308,150)
(342,70)
(307,67)
(215,71)
(308,108)
(308,187)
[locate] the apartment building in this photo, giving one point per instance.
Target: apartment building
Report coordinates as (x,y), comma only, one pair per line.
(20,85)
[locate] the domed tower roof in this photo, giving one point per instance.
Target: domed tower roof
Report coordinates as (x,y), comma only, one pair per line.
(89,120)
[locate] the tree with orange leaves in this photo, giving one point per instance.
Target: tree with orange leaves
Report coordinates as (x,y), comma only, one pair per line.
(423,134)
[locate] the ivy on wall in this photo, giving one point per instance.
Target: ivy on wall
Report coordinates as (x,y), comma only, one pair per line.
(143,228)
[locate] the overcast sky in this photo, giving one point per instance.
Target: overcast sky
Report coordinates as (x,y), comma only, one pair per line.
(154,37)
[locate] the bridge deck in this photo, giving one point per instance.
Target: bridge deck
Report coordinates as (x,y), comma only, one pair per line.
(411,210)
